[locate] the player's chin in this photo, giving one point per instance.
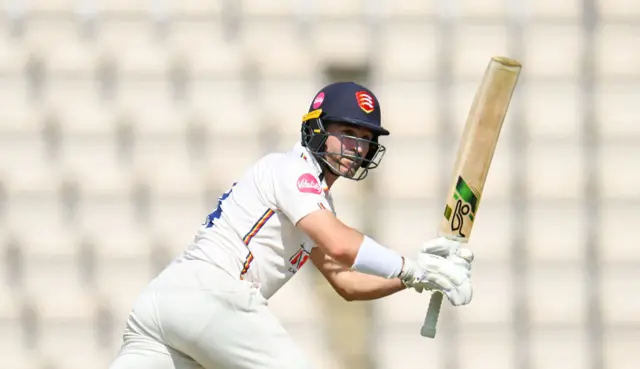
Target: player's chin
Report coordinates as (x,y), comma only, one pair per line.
(348,170)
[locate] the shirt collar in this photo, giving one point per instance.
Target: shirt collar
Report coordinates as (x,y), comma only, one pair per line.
(303,153)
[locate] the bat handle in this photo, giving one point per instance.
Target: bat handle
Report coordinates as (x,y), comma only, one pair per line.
(431,319)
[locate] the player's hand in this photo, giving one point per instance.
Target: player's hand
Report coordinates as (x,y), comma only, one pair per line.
(444,266)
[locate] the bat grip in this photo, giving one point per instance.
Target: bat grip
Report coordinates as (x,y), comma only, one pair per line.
(435,303)
(431,318)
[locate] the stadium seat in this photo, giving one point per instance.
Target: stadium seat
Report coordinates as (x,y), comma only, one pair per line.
(23,118)
(194,8)
(167,244)
(205,49)
(10,305)
(173,180)
(614,57)
(408,52)
(77,107)
(178,215)
(134,47)
(15,355)
(555,171)
(99,176)
(350,9)
(620,348)
(501,176)
(492,234)
(343,42)
(50,246)
(72,344)
(229,158)
(92,164)
(615,110)
(284,102)
(554,110)
(411,168)
(61,45)
(479,9)
(421,219)
(549,9)
(544,42)
(110,208)
(286,141)
(557,294)
(619,307)
(25,164)
(235,122)
(613,243)
(282,10)
(278,49)
(54,288)
(122,244)
(614,174)
(409,109)
(493,293)
(149,106)
(32,199)
(14,53)
(119,283)
(397,347)
(556,231)
(559,348)
(161,153)
(51,7)
(125,8)
(475,45)
(225,107)
(489,346)
(409,8)
(618,9)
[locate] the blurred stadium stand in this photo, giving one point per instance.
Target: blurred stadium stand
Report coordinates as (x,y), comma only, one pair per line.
(122,121)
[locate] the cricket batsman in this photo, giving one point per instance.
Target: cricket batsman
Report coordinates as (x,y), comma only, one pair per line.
(208,307)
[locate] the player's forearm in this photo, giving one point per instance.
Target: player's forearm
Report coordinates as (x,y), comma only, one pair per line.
(356,286)
(348,246)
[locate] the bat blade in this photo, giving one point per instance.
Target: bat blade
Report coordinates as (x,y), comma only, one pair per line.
(473,160)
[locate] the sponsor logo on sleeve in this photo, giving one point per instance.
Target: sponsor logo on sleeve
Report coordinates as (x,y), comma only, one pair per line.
(308,183)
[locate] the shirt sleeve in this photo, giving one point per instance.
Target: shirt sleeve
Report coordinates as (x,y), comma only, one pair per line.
(298,191)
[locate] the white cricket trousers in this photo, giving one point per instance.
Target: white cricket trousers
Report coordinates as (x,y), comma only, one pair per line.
(194,315)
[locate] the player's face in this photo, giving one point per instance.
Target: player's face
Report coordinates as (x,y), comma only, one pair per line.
(346,147)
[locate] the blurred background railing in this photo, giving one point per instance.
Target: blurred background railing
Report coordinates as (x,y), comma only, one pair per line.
(122,121)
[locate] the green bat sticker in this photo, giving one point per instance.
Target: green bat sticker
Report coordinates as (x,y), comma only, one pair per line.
(466,205)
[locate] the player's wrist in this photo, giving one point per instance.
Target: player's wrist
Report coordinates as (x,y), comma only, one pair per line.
(410,271)
(375,259)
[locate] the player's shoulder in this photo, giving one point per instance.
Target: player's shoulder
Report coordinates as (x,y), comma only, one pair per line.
(283,162)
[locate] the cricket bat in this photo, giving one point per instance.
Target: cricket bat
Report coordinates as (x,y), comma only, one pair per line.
(473,160)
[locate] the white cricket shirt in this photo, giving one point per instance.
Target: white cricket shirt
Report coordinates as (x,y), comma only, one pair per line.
(252,234)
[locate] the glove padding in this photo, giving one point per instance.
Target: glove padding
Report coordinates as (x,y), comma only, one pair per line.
(444,266)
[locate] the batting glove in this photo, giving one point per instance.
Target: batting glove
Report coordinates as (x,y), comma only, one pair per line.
(444,266)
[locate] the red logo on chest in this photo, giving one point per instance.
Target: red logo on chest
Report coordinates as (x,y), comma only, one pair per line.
(298,259)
